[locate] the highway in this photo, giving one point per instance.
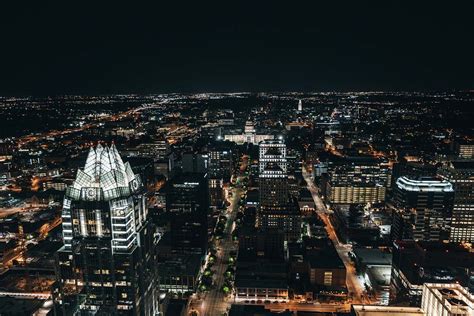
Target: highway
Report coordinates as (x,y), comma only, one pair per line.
(353,281)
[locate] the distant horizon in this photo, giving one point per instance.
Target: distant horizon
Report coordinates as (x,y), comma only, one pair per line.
(453,90)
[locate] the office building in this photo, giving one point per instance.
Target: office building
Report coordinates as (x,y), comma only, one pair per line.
(437,300)
(106,266)
(423,209)
(193,162)
(446,300)
(416,263)
(220,163)
(277,209)
(461,175)
(273,176)
(356,180)
(219,172)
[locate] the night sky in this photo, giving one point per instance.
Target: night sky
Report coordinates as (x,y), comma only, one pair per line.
(64,48)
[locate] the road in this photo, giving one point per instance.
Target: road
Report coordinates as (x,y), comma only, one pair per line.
(353,281)
(215,302)
(20,250)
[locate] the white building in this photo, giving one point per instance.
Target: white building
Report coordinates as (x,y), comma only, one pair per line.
(438,300)
(447,300)
(249,136)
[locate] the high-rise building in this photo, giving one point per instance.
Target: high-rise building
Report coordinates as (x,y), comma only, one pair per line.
(195,162)
(273,178)
(158,149)
(356,180)
(461,175)
(300,106)
(216,192)
(187,193)
(106,266)
(220,163)
(423,209)
(219,172)
(277,209)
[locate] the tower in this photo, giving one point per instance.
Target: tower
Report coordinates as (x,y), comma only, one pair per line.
(106,265)
(423,209)
(300,105)
(278,211)
(461,175)
(272,173)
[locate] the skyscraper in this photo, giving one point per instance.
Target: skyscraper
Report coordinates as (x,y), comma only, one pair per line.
(300,106)
(277,209)
(461,175)
(219,172)
(423,209)
(272,173)
(106,266)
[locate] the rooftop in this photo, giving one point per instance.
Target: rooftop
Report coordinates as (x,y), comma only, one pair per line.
(424,184)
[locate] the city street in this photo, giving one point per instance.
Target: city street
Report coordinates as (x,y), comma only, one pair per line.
(353,282)
(215,302)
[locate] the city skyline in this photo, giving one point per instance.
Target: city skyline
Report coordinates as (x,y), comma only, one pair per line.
(230,159)
(237,203)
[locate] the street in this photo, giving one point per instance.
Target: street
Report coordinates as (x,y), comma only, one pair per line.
(353,282)
(215,302)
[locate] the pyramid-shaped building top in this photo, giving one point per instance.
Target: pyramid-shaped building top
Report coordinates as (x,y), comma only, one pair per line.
(104,177)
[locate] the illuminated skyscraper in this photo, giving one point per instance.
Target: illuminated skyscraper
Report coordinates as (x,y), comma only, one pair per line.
(461,175)
(300,106)
(423,209)
(107,264)
(277,209)
(272,170)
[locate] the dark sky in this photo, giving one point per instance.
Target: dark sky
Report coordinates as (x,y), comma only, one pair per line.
(122,47)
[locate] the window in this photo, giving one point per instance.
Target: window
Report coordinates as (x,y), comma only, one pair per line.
(328,278)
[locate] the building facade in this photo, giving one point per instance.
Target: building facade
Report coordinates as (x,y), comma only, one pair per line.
(249,136)
(461,175)
(356,180)
(106,266)
(277,209)
(423,209)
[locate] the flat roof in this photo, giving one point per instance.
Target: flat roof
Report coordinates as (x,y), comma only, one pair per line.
(373,256)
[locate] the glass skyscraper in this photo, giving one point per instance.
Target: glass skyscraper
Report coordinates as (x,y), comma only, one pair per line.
(107,264)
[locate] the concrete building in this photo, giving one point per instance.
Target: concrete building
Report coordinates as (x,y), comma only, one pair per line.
(437,300)
(446,300)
